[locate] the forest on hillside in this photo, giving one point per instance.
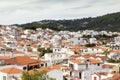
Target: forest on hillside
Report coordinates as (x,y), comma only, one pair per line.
(109,22)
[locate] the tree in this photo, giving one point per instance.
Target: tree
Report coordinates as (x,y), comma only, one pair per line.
(36,75)
(42,51)
(106,52)
(113,60)
(26,76)
(109,22)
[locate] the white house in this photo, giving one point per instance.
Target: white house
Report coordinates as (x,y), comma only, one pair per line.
(117,40)
(91,50)
(57,74)
(10,73)
(55,58)
(84,68)
(77,64)
(93,41)
(114,55)
(101,76)
(74,40)
(63,50)
(23,62)
(56,40)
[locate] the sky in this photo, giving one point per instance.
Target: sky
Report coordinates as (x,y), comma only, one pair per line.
(24,11)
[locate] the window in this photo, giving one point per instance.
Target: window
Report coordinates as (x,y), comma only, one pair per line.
(98,64)
(80,75)
(4,77)
(45,64)
(24,68)
(86,66)
(70,73)
(58,50)
(42,65)
(86,50)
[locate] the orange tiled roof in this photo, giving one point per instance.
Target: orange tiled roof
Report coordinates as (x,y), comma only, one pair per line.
(107,66)
(49,68)
(78,62)
(12,70)
(22,60)
(4,57)
(74,56)
(117,51)
(21,42)
(4,47)
(93,61)
(103,48)
(101,73)
(29,50)
(75,48)
(86,56)
(17,52)
(103,57)
(94,56)
(1,39)
(34,45)
(116,76)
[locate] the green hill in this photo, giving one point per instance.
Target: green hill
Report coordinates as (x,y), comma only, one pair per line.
(109,22)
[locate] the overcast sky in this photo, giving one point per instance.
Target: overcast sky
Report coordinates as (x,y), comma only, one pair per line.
(22,11)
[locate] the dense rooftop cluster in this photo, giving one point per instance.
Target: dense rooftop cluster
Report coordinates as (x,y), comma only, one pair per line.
(81,55)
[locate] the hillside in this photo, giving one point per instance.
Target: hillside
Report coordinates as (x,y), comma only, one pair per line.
(109,22)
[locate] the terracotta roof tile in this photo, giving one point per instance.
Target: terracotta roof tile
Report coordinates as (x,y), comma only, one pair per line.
(17,52)
(22,60)
(4,57)
(74,56)
(1,39)
(34,45)
(93,61)
(94,56)
(78,62)
(21,42)
(12,70)
(4,47)
(107,66)
(116,76)
(49,68)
